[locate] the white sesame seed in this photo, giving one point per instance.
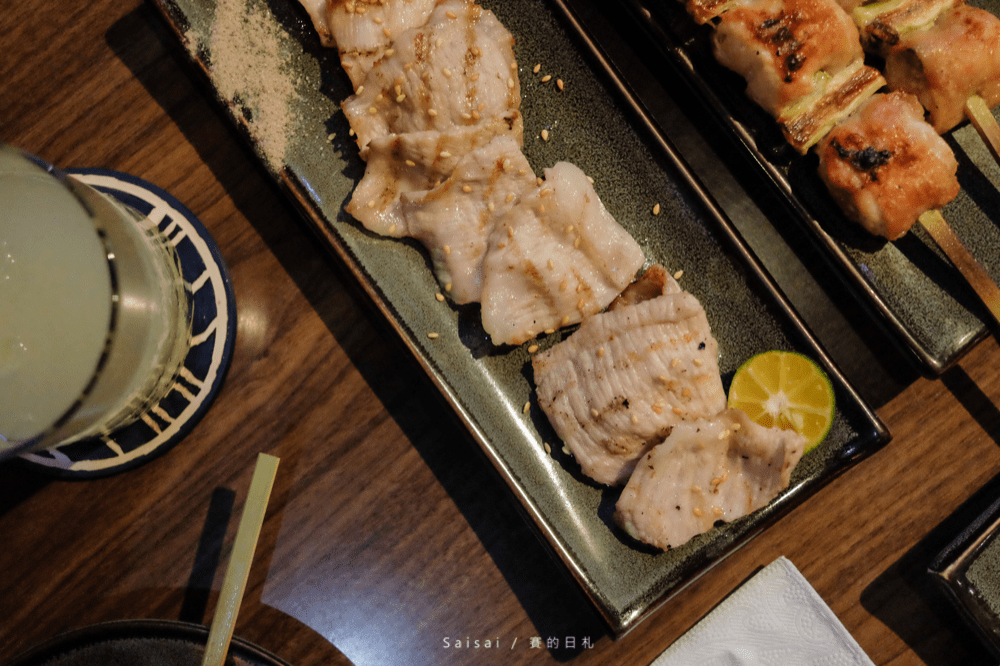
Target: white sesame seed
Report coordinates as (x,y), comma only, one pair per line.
(559,84)
(390,52)
(678,274)
(446,72)
(532,349)
(546,78)
(400,98)
(450,14)
(526,408)
(656,209)
(466,188)
(411,163)
(439,296)
(537,68)
(545,135)
(431,112)
(432,336)
(444,154)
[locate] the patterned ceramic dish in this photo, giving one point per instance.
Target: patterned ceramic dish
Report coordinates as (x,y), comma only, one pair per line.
(592,123)
(909,285)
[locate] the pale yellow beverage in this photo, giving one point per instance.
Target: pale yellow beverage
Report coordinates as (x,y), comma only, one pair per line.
(94,321)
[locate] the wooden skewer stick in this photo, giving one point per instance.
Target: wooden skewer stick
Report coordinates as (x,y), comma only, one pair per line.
(963,260)
(238,571)
(982,119)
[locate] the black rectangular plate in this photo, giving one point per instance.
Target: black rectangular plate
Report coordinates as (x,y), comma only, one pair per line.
(908,286)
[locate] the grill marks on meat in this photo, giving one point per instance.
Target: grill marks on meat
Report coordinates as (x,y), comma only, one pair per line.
(706,471)
(885,166)
(555,258)
(403,163)
(362,30)
(945,64)
(786,49)
(626,377)
(447,73)
(455,219)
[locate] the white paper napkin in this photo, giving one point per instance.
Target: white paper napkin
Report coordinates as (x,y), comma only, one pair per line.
(776,618)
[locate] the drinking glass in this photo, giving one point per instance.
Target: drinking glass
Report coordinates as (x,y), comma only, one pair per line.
(95,321)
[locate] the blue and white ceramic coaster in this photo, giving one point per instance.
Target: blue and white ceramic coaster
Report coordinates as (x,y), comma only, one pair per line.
(213,334)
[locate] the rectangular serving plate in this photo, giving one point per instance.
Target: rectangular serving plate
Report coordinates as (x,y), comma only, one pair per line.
(595,124)
(966,569)
(908,286)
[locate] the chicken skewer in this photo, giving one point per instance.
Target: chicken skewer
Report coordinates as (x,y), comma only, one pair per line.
(943,51)
(781,47)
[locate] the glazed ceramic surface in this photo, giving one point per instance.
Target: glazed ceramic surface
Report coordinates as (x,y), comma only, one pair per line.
(594,124)
(909,285)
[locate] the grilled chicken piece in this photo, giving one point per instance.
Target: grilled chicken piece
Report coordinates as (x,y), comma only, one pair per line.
(886,166)
(553,259)
(362,30)
(786,49)
(457,70)
(455,219)
(716,469)
(619,384)
(944,65)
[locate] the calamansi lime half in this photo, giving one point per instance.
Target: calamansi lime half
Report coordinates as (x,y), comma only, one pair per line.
(787,390)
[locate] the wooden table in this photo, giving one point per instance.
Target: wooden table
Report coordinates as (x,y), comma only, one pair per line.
(387,531)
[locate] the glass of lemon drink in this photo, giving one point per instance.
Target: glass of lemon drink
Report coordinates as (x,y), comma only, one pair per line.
(94,318)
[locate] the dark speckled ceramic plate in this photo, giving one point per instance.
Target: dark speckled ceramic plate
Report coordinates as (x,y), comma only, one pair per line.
(968,570)
(909,286)
(593,124)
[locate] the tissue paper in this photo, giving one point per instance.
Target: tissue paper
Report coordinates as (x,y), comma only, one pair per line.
(776,618)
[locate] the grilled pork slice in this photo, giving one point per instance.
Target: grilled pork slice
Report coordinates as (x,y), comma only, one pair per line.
(455,219)
(619,384)
(401,163)
(457,70)
(362,30)
(944,65)
(886,166)
(553,259)
(786,50)
(709,470)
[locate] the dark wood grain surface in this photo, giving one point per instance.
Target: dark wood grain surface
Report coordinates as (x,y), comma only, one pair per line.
(387,532)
